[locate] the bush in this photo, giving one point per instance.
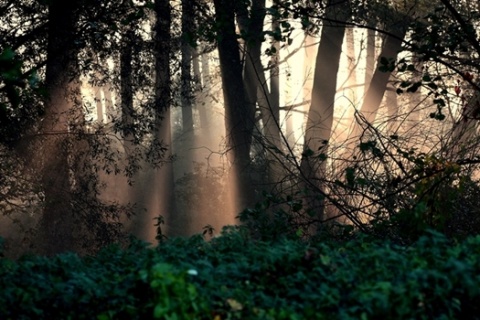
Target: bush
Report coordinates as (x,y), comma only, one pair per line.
(235,277)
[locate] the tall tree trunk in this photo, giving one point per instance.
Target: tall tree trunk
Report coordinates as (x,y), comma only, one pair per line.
(271,113)
(351,82)
(376,90)
(162,197)
(254,78)
(155,193)
(349,89)
(392,109)
(57,223)
(256,85)
(186,66)
(97,91)
(464,131)
(271,119)
(320,116)
(126,90)
(289,127)
(239,114)
(127,187)
(369,57)
(308,69)
(205,78)
(109,107)
(184,160)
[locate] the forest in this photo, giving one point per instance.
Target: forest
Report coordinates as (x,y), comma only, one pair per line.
(158,119)
(239,159)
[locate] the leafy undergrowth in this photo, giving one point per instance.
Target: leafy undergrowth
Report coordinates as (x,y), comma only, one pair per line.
(235,277)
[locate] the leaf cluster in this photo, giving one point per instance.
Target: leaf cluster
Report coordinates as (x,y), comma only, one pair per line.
(235,277)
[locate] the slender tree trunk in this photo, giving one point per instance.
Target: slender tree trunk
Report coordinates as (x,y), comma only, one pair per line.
(126,90)
(465,130)
(202,109)
(155,186)
(289,130)
(272,118)
(376,90)
(98,103)
(186,67)
(252,27)
(308,69)
(349,89)
(128,186)
(369,58)
(320,116)
(109,107)
(270,110)
(239,114)
(392,109)
(351,92)
(256,85)
(184,160)
(162,197)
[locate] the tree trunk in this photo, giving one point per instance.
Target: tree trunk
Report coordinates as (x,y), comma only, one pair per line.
(186,68)
(376,90)
(320,116)
(349,90)
(308,69)
(256,83)
(351,82)
(369,58)
(184,154)
(126,90)
(57,224)
(162,197)
(205,78)
(392,110)
(239,114)
(270,110)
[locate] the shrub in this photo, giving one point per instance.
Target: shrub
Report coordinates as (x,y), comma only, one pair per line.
(236,277)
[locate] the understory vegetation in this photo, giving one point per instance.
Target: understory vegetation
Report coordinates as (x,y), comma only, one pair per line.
(234,276)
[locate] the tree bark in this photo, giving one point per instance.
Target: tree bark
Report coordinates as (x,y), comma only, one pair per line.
(186,68)
(126,90)
(205,78)
(376,90)
(239,113)
(369,57)
(57,224)
(320,115)
(162,199)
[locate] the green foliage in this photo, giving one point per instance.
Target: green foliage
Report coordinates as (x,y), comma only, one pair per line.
(236,277)
(16,91)
(174,297)
(276,217)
